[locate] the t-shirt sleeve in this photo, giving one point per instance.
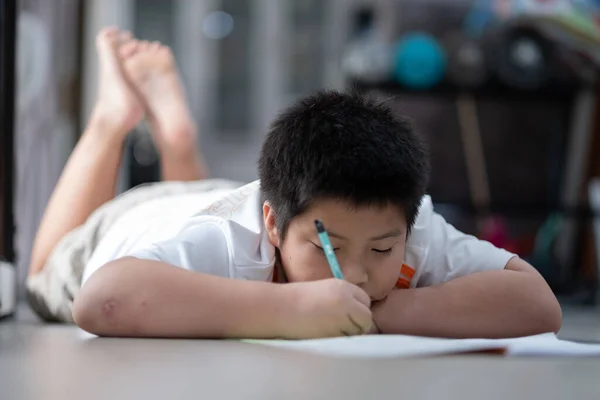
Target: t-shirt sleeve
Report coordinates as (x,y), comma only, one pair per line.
(202,248)
(451,254)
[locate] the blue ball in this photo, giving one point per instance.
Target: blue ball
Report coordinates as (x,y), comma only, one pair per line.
(420,62)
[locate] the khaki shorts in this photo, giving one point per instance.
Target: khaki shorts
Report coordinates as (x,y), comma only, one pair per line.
(50,293)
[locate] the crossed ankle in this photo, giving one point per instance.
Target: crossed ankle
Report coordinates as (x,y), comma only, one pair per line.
(107,123)
(181,155)
(179,138)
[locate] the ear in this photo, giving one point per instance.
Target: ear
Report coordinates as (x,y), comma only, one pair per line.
(270,224)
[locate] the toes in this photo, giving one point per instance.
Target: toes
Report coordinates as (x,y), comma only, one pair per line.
(125,36)
(141,46)
(165,52)
(106,35)
(107,42)
(155,46)
(144,45)
(129,49)
(108,31)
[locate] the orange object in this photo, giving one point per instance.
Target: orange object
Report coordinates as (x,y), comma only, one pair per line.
(403,283)
(407,271)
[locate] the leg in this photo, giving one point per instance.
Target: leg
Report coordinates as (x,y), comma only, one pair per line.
(89,178)
(151,70)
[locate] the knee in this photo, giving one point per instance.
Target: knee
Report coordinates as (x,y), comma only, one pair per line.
(49,306)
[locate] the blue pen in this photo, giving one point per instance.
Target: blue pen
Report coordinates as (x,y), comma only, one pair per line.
(328,249)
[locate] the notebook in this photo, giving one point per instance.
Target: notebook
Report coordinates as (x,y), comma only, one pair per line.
(396,346)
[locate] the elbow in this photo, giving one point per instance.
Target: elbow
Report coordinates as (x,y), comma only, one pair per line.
(549,315)
(98,307)
(96,313)
(554,317)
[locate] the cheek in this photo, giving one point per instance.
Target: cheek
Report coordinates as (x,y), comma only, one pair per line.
(302,264)
(386,272)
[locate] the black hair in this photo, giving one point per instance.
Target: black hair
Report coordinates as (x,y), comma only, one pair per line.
(343,146)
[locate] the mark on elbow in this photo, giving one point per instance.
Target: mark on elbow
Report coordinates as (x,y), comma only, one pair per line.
(109,309)
(107,317)
(97,316)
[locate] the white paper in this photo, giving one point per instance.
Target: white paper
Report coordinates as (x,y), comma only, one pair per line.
(395,346)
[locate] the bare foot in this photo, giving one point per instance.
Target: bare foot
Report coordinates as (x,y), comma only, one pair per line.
(151,69)
(117,105)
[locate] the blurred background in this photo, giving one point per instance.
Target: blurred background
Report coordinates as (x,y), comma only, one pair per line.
(503,90)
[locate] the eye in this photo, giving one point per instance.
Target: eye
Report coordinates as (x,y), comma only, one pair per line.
(320,248)
(383,252)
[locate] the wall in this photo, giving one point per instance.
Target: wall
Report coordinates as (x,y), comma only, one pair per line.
(46,112)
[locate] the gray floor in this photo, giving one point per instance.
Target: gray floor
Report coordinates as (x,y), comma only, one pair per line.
(60,362)
(581,324)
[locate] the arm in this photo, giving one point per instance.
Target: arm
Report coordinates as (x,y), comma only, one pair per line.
(512,302)
(134,297)
(184,288)
(143,298)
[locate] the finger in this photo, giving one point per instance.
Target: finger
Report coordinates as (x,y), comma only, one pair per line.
(358,329)
(361,296)
(374,329)
(351,329)
(361,319)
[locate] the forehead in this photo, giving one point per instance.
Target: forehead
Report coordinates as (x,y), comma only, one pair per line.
(341,214)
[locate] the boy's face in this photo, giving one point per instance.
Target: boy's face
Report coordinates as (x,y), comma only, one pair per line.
(368,242)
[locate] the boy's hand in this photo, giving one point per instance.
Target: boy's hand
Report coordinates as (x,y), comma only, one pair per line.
(327,308)
(374,329)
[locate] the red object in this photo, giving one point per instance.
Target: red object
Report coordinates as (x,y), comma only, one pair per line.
(495,231)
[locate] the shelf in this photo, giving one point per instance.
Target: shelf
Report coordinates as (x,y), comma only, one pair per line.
(554,92)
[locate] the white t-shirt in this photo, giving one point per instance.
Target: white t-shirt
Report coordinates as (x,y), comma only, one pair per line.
(222,233)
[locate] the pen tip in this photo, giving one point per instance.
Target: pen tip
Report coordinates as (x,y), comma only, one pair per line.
(319,225)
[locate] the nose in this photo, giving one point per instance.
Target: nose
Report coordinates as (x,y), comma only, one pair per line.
(355,273)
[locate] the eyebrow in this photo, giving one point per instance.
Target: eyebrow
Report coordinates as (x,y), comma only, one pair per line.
(392,233)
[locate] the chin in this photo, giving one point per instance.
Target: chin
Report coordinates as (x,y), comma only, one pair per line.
(379,297)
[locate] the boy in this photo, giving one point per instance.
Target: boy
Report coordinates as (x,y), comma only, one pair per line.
(206,259)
